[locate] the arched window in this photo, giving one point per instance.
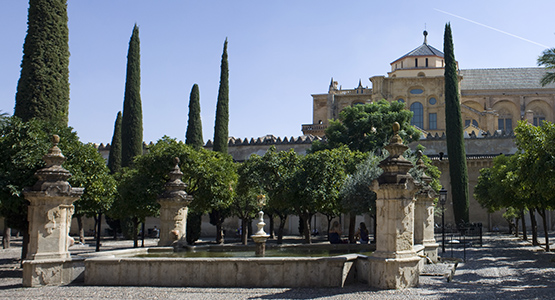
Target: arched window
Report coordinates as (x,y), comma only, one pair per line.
(539,118)
(418,114)
(505,121)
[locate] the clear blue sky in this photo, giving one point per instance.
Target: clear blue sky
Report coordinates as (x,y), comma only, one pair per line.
(280,52)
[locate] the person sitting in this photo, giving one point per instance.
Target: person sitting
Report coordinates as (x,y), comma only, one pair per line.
(335,234)
(362,233)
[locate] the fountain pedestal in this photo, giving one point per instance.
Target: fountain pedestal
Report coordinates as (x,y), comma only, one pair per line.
(48,261)
(394,264)
(424,214)
(260,237)
(173,209)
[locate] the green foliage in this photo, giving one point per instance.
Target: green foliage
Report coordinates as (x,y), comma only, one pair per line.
(114,158)
(221,132)
(132,120)
(501,185)
(537,162)
(547,59)
(356,194)
(454,133)
(43,88)
(193,136)
(368,127)
(89,171)
(316,185)
(209,176)
(249,187)
(22,145)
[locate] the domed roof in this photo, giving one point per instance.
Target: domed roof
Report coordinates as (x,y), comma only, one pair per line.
(422,50)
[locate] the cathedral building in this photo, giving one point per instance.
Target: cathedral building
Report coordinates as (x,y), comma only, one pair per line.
(493,101)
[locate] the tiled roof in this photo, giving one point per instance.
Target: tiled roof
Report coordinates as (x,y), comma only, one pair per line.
(506,78)
(423,50)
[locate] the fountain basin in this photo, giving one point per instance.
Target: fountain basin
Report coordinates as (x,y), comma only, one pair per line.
(125,269)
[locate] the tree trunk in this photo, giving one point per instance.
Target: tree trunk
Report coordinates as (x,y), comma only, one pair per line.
(330,218)
(135,235)
(282,219)
(516,226)
(244,235)
(219,233)
(352,226)
(524,234)
(6,235)
(98,230)
(534,227)
(306,227)
(271,226)
(143,234)
(81,229)
(544,222)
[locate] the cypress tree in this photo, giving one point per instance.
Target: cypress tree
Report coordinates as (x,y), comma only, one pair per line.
(454,132)
(193,136)
(132,119)
(43,87)
(114,158)
(222,108)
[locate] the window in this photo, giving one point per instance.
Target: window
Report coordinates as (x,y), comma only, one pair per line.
(538,121)
(426,62)
(505,124)
(401,100)
(418,115)
(416,91)
(416,62)
(432,101)
(432,121)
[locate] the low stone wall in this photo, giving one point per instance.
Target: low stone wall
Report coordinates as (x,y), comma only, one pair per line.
(222,272)
(122,268)
(53,271)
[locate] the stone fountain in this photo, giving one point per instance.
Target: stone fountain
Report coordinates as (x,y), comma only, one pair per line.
(260,236)
(394,264)
(48,261)
(173,209)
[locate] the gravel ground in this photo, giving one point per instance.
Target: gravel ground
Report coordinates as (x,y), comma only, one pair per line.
(504,268)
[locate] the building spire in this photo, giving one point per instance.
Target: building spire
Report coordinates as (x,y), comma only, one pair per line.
(425,37)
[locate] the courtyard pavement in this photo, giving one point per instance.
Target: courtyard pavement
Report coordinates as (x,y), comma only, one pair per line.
(503,268)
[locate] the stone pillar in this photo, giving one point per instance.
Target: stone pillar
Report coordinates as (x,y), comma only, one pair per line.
(173,209)
(394,264)
(424,214)
(49,215)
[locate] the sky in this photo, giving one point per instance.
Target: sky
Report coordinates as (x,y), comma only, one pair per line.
(280,52)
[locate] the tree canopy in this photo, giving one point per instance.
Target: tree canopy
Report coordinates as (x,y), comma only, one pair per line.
(132,119)
(210,177)
(43,88)
(547,59)
(368,127)
(454,133)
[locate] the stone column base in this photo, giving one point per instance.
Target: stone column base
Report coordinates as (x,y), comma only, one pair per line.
(394,273)
(53,271)
(430,250)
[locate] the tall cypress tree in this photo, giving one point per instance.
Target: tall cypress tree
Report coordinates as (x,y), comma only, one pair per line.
(454,132)
(43,88)
(193,136)
(132,119)
(222,108)
(114,158)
